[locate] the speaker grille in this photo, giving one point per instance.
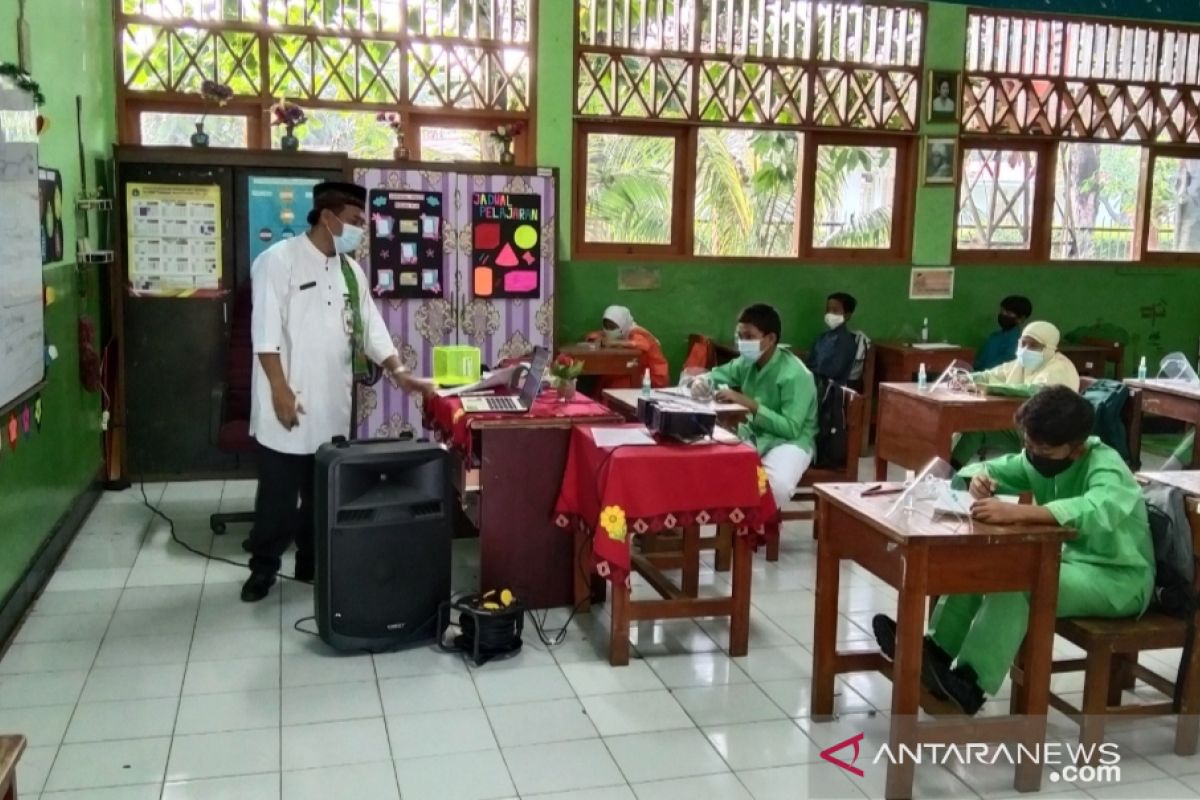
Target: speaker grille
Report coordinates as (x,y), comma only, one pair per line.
(432,509)
(356,515)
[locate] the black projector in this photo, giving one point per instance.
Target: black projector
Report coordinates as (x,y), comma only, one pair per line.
(676,419)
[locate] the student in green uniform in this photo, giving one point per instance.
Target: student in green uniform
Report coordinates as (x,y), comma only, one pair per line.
(1107,570)
(779,391)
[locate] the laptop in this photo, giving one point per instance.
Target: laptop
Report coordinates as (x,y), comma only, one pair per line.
(520,404)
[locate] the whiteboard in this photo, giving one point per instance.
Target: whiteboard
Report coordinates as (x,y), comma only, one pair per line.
(22,330)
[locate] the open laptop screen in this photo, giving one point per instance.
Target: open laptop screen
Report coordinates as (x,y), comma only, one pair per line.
(533,378)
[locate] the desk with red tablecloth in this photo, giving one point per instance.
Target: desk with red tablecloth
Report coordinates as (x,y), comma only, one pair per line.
(612,494)
(508,471)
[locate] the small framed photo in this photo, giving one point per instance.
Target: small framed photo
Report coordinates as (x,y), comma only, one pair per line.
(941,161)
(943,96)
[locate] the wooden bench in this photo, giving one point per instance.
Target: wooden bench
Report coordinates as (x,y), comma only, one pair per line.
(11,748)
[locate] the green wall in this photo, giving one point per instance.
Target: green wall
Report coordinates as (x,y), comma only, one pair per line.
(705,295)
(72,54)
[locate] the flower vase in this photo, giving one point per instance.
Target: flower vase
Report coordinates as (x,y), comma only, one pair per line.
(199,138)
(566,389)
(289,142)
(506,154)
(401,152)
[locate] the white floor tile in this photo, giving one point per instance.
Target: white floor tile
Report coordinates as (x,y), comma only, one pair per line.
(157,573)
(417,662)
(757,745)
(138,651)
(43,726)
(122,719)
(236,675)
(331,702)
(635,712)
(141,598)
(79,579)
(725,786)
(665,755)
(440,733)
(797,783)
(48,656)
(540,723)
(428,693)
(145,791)
(234,711)
(34,768)
(221,755)
(776,663)
(62,628)
(41,688)
(763,632)
(333,744)
(597,677)
(722,705)
(697,669)
(482,776)
(605,793)
(117,763)
(311,670)
(560,767)
(506,686)
(82,601)
(376,781)
(153,622)
(228,645)
(133,683)
(794,697)
(242,787)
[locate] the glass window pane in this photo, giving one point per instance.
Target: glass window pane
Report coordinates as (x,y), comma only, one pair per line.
(629,184)
(852,196)
(996,199)
(224,130)
(1175,206)
(355,132)
(457,144)
(746,192)
(1095,195)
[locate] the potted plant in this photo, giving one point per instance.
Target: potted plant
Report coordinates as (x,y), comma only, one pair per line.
(503,137)
(393,121)
(565,371)
(291,116)
(212,93)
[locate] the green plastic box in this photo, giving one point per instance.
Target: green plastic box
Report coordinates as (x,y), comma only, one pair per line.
(456,365)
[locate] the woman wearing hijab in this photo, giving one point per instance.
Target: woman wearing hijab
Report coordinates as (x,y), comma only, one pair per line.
(620,329)
(1038,364)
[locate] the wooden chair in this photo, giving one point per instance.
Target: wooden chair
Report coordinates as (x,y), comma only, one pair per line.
(1110,666)
(1131,415)
(11,748)
(1115,353)
(701,353)
(866,387)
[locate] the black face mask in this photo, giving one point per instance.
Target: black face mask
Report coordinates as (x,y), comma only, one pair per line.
(1049,467)
(1006,322)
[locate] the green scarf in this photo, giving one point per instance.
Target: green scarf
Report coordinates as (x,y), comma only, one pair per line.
(358,355)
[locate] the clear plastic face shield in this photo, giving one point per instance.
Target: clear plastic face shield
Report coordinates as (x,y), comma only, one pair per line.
(954,378)
(1175,367)
(932,497)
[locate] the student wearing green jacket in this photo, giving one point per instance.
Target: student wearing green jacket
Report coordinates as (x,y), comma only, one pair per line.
(779,391)
(1107,569)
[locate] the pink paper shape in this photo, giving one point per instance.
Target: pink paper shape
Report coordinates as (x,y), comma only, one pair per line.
(520,281)
(528,258)
(487,236)
(507,257)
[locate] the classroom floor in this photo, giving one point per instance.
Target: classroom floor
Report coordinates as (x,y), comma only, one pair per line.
(140,671)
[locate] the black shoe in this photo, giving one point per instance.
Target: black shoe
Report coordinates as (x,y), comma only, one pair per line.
(885,634)
(257,586)
(304,569)
(960,685)
(249,548)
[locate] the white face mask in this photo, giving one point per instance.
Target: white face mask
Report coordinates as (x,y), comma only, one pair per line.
(749,349)
(1030,359)
(612,334)
(834,320)
(349,240)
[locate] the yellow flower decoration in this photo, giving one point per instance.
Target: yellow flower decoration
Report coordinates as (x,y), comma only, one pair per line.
(762,480)
(612,520)
(459,414)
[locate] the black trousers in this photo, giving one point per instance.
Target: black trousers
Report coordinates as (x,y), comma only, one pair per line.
(283,509)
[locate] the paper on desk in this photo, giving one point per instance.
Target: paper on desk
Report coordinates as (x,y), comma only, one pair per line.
(957,502)
(501,377)
(934,346)
(607,438)
(720,436)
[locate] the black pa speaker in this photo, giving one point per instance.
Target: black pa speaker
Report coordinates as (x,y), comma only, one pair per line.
(383,530)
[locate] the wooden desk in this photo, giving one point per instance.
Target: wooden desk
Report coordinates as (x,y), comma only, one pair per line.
(1173,400)
(11,748)
(916,426)
(1090,360)
(1187,481)
(921,558)
(898,362)
(602,360)
(624,402)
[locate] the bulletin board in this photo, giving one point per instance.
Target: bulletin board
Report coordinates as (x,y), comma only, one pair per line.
(22,328)
(174,247)
(506,259)
(278,209)
(50,204)
(406,243)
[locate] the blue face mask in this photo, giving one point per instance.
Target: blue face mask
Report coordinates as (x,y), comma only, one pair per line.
(349,240)
(750,349)
(1030,359)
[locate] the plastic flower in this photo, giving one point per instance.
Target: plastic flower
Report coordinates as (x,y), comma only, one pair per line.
(214,92)
(391,119)
(612,520)
(507,132)
(288,113)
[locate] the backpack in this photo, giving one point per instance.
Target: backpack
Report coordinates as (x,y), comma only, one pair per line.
(1174,561)
(1108,398)
(860,356)
(831,441)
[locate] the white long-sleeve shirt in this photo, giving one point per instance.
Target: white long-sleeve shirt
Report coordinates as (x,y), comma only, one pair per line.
(301,306)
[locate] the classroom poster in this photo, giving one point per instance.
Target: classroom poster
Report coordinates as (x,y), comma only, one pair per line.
(506,258)
(931,283)
(50,201)
(174,239)
(406,243)
(278,209)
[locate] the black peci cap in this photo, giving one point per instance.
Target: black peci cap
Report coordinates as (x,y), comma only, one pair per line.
(335,195)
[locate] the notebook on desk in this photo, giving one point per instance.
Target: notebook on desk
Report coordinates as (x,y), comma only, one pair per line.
(507,404)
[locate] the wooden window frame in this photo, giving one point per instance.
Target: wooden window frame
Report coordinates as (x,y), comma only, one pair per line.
(134,109)
(522,144)
(1150,158)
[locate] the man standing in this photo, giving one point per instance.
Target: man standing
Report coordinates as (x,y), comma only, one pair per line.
(314,327)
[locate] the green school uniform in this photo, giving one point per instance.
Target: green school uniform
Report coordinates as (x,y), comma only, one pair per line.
(1107,570)
(787,400)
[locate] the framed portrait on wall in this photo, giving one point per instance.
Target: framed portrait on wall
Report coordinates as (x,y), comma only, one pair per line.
(943,96)
(941,161)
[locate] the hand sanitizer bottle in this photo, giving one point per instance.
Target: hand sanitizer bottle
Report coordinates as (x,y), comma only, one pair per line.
(646,383)
(925,330)
(922,378)
(1142,369)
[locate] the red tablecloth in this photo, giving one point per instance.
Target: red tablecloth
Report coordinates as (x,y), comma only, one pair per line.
(644,489)
(446,418)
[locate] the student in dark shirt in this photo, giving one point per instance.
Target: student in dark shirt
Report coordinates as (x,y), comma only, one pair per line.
(1001,345)
(832,354)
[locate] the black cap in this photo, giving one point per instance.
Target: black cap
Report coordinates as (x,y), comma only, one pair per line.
(335,195)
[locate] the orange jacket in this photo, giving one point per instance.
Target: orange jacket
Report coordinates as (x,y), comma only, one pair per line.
(652,358)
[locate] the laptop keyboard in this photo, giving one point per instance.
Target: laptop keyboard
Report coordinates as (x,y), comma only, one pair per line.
(503,404)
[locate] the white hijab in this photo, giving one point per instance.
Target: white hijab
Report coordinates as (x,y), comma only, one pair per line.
(620,316)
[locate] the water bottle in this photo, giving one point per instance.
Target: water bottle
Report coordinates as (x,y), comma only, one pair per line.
(925,330)
(1142,369)
(922,378)
(646,383)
